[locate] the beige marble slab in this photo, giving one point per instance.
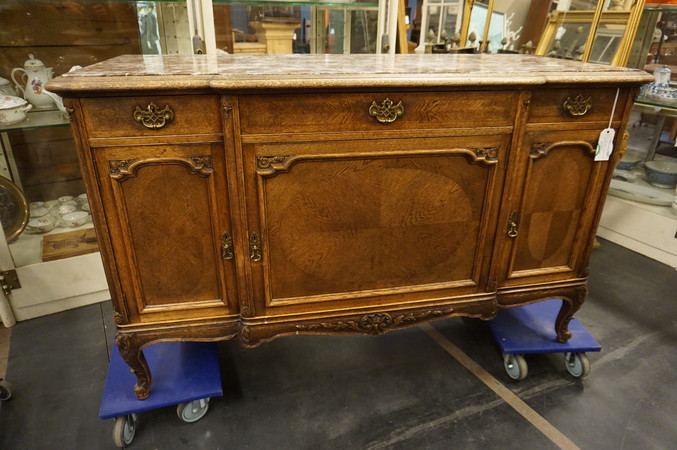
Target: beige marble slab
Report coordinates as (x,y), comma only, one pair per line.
(295,71)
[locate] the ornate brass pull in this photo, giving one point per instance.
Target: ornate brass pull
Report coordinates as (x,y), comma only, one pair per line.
(153,117)
(387,112)
(578,106)
(513,223)
(254,247)
(226,245)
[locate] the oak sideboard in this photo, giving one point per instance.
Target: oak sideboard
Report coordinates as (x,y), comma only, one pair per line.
(253,197)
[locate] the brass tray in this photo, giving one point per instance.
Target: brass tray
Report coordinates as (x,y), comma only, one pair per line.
(14,211)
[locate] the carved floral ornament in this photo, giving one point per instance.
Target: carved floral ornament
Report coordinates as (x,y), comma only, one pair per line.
(376,323)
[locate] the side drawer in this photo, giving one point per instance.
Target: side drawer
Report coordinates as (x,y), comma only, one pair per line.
(125,116)
(270,114)
(584,105)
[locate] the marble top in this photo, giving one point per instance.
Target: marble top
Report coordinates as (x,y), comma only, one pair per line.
(280,71)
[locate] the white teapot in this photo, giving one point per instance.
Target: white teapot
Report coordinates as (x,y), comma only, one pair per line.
(34,77)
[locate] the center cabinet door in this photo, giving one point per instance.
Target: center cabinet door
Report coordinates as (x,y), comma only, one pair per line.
(170,229)
(356,223)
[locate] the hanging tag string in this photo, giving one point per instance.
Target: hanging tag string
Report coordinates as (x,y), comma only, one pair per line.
(613,110)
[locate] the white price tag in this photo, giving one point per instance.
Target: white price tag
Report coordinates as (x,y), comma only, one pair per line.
(605,144)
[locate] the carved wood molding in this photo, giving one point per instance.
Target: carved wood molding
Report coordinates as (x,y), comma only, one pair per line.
(121,169)
(375,323)
(542,149)
(486,155)
(271,165)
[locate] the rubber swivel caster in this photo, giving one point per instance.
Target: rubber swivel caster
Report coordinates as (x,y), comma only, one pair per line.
(190,412)
(124,429)
(5,390)
(515,366)
(577,364)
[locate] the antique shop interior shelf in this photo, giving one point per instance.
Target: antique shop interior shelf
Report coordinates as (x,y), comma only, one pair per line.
(251,197)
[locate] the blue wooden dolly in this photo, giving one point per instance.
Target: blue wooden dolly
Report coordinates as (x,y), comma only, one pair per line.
(185,374)
(530,329)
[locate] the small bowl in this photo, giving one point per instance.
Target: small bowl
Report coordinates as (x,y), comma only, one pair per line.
(66,208)
(39,211)
(41,224)
(628,162)
(661,174)
(75,219)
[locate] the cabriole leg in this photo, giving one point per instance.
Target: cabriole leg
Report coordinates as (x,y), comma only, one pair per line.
(570,304)
(131,353)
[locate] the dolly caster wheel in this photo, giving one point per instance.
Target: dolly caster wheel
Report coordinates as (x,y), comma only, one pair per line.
(124,430)
(515,366)
(190,412)
(5,390)
(577,364)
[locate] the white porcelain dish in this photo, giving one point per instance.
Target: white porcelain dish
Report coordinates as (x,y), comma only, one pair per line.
(75,219)
(41,224)
(13,109)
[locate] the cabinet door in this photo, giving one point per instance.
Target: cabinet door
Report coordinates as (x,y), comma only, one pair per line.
(547,221)
(166,210)
(348,224)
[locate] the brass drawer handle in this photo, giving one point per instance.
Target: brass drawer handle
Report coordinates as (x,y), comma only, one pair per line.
(153,117)
(578,106)
(226,245)
(513,223)
(254,247)
(387,112)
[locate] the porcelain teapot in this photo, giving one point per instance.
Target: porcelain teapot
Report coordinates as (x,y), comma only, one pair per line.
(34,76)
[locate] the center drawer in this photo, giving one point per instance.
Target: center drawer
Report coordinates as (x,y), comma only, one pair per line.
(308,113)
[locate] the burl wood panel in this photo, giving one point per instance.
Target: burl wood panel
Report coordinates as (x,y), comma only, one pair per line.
(350,112)
(550,217)
(192,115)
(357,224)
(164,220)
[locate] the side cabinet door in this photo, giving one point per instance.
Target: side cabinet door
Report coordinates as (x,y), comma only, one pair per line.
(546,226)
(350,224)
(167,216)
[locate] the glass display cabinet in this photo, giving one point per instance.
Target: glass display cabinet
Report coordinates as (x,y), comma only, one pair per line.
(587,30)
(54,262)
(440,20)
(279,27)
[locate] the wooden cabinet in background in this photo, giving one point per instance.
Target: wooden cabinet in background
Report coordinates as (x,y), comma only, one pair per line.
(255,197)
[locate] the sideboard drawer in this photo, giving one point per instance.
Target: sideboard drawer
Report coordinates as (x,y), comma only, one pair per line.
(586,105)
(152,116)
(309,113)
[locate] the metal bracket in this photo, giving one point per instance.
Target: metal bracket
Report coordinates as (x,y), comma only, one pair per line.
(9,281)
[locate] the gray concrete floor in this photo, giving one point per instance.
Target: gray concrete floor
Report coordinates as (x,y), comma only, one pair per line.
(397,391)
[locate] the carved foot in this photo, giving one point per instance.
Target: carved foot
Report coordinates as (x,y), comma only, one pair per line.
(133,356)
(570,304)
